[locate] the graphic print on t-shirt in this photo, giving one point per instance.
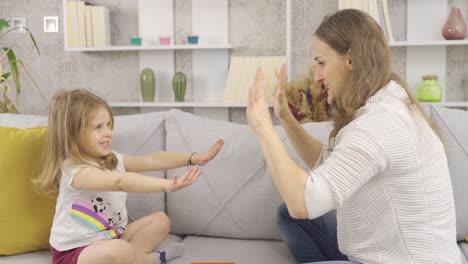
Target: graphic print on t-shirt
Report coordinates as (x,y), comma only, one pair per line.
(95,215)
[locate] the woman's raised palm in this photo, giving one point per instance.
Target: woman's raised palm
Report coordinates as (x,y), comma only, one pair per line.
(281,102)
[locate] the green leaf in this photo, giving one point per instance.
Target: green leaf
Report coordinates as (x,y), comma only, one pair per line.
(5,77)
(14,68)
(33,41)
(3,23)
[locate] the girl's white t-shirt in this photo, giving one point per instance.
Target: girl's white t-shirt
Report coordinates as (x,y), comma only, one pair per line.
(84,217)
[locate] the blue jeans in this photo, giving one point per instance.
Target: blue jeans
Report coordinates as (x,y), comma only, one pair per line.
(311,240)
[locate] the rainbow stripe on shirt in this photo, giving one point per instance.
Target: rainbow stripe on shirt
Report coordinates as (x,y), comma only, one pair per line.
(84,213)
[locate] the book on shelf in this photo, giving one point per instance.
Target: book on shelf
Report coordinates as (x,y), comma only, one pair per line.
(87,25)
(377,9)
(242,72)
(72,24)
(101,26)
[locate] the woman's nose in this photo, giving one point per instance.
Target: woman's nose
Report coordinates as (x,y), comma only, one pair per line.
(318,77)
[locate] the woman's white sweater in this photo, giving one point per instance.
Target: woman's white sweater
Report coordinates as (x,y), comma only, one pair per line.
(388,178)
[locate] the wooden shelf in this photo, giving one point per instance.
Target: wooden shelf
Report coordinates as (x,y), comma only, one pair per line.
(153,48)
(428,43)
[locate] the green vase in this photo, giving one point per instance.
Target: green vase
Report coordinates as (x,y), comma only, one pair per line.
(429,90)
(147,85)
(179,84)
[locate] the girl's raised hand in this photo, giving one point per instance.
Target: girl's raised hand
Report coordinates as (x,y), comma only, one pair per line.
(189,177)
(201,159)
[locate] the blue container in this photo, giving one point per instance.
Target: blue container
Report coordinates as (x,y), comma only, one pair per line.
(192,39)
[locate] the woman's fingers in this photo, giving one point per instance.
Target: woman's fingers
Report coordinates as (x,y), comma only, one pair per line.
(257,90)
(259,83)
(282,78)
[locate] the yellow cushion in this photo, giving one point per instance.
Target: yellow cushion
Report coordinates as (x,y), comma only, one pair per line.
(25,217)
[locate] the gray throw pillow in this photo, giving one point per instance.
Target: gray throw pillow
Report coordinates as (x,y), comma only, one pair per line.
(235,197)
(138,135)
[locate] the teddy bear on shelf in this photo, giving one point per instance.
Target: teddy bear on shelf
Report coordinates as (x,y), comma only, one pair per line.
(306,98)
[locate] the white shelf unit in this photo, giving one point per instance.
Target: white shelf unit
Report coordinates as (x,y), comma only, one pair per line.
(210,58)
(426,49)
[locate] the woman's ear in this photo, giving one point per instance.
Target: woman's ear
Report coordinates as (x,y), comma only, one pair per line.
(349,62)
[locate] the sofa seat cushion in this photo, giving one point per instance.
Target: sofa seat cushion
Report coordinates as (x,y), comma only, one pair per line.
(236,196)
(45,257)
(453,125)
(208,249)
(37,257)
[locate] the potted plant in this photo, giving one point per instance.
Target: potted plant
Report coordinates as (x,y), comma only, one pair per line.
(10,67)
(306,98)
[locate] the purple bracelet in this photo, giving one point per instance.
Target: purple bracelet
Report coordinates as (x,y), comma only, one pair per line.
(189,162)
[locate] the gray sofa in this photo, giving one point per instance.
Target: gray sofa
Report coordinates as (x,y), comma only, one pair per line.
(229,213)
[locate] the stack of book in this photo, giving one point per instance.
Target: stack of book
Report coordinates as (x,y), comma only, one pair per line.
(378,9)
(242,72)
(87,25)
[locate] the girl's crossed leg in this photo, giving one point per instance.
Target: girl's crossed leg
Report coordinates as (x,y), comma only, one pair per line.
(137,244)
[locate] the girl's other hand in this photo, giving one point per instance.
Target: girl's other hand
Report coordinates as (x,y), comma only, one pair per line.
(189,177)
(201,159)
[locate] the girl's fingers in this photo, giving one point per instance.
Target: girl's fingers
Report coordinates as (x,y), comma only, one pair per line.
(191,174)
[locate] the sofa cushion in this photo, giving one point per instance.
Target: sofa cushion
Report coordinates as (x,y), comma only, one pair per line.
(44,256)
(217,250)
(453,126)
(22,121)
(37,257)
(137,135)
(235,197)
(26,216)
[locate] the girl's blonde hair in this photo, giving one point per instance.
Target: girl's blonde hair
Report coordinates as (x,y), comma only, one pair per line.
(70,113)
(353,32)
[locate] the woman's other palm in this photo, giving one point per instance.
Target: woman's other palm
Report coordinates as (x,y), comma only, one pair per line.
(281,102)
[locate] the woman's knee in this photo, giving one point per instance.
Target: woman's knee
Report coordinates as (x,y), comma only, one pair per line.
(282,213)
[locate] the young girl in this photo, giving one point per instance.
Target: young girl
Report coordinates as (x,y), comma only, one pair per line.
(92,182)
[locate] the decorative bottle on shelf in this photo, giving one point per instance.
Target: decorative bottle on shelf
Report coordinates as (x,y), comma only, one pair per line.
(429,90)
(147,85)
(179,84)
(454,27)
